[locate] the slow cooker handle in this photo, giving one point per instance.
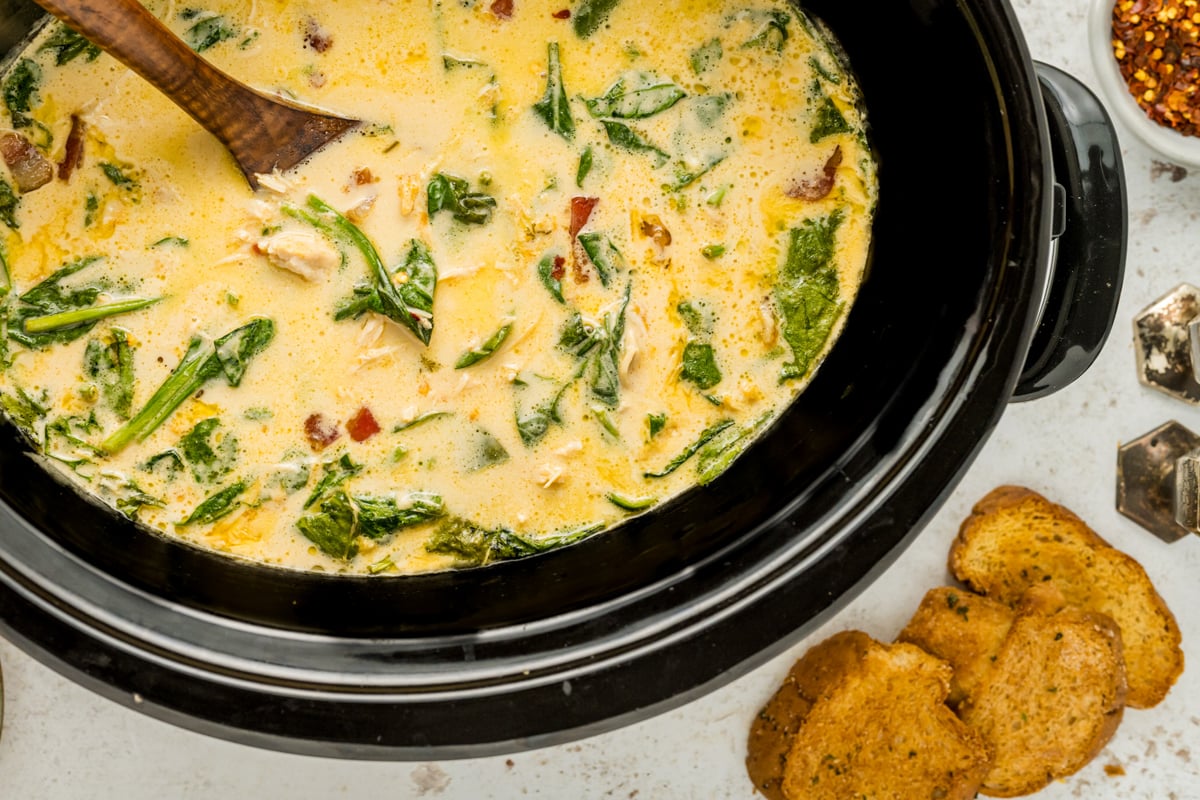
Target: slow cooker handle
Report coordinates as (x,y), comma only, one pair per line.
(1091,223)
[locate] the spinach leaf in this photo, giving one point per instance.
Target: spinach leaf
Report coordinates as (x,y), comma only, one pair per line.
(716,456)
(292,475)
(635,95)
(23,409)
(627,138)
(20,92)
(52,313)
(772,33)
(604,255)
(485,350)
(410,304)
(606,422)
(706,56)
(550,274)
(605,372)
(67,45)
(110,366)
(331,528)
(201,363)
(709,108)
(117,175)
(379,517)
(416,293)
(209,30)
(577,338)
(700,365)
(49,295)
(453,194)
(170,461)
(631,504)
(655,423)
(829,121)
(533,426)
(341,519)
(555,108)
(685,176)
(806,291)
(73,429)
(585,166)
(132,499)
(421,420)
(474,545)
(216,505)
(235,349)
(589,15)
(598,349)
(8,205)
(697,318)
(91,205)
(706,436)
(487,451)
(210,456)
(336,473)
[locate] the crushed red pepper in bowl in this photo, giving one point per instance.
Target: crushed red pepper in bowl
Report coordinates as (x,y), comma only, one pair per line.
(1157,47)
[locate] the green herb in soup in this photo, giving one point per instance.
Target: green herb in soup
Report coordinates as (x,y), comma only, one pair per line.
(571,266)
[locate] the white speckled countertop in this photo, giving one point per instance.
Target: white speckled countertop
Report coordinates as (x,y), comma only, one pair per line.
(62,742)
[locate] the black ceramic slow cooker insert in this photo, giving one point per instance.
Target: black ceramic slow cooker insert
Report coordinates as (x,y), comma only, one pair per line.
(987,165)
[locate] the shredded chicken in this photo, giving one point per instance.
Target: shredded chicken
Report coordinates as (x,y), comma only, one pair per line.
(372,355)
(409,189)
(635,331)
(770,322)
(274,182)
(305,253)
(549,474)
(569,449)
(362,209)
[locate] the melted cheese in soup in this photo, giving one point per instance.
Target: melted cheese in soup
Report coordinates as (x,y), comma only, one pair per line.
(571,265)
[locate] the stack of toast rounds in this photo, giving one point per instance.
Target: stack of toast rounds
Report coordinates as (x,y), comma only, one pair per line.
(999,689)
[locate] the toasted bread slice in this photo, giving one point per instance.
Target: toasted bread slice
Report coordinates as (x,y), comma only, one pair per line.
(1044,684)
(1015,539)
(963,628)
(873,722)
(773,729)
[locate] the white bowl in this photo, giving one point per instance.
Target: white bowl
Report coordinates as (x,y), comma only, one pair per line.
(1171,144)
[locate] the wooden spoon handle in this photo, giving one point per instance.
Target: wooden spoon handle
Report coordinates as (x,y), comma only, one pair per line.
(126,30)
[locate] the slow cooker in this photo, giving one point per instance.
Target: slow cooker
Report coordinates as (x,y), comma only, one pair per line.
(997,261)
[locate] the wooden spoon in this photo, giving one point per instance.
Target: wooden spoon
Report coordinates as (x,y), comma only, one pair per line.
(263,133)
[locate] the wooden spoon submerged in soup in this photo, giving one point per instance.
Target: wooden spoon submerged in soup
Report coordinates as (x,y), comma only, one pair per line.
(573,264)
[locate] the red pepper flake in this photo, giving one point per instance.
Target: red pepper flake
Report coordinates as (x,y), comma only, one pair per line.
(362,425)
(30,169)
(563,14)
(560,268)
(581,212)
(503,9)
(1157,49)
(320,431)
(316,37)
(73,150)
(817,187)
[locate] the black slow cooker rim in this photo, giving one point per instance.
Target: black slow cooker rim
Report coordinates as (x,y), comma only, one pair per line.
(157,666)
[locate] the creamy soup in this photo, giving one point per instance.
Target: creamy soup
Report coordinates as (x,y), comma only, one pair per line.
(572,263)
